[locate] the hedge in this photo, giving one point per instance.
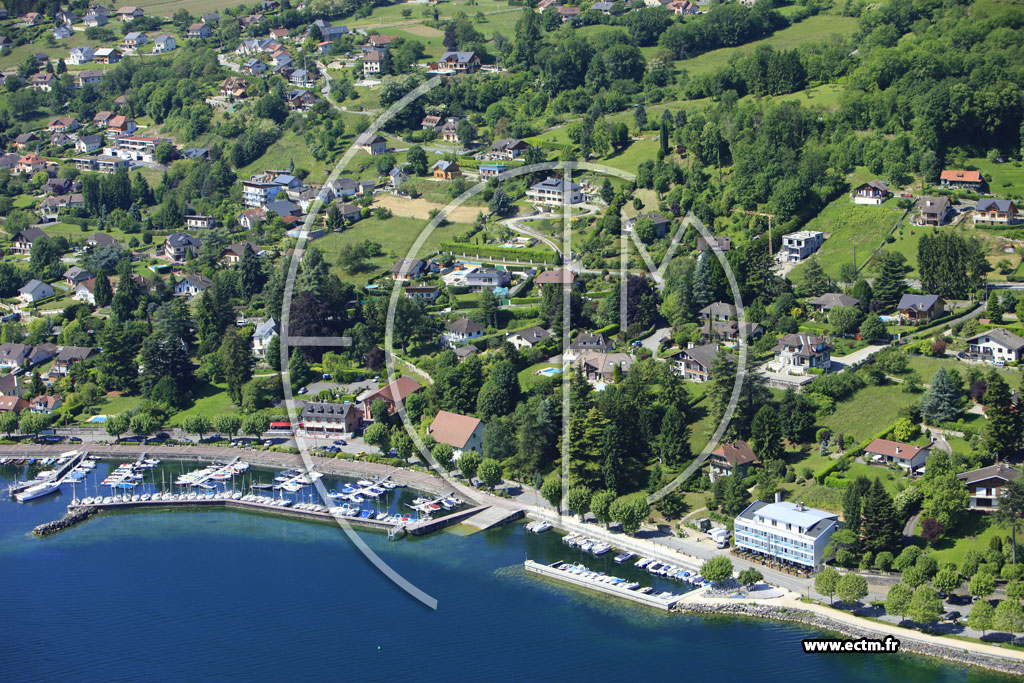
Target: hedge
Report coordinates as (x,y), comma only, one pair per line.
(608,330)
(486,251)
(943,320)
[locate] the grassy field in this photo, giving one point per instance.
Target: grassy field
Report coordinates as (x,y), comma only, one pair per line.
(396,235)
(812,29)
(927,367)
(528,376)
(291,147)
(869,412)
(849,226)
(212,400)
(975,533)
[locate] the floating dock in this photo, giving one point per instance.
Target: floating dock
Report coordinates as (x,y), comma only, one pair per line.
(481,517)
(74,458)
(657,601)
(492,517)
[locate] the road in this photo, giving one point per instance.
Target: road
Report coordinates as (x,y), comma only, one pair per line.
(651,343)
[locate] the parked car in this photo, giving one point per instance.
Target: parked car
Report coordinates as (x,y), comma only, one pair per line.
(268,443)
(341,442)
(75,439)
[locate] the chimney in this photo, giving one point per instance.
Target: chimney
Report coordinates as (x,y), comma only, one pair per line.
(778,496)
(800,506)
(897,450)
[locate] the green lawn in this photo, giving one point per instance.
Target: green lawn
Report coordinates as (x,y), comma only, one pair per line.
(849,227)
(869,412)
(974,533)
(813,29)
(927,366)
(396,235)
(528,376)
(1007,179)
(211,401)
(291,147)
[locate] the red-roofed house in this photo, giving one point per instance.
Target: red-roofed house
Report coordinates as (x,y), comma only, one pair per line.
(968,180)
(461,432)
(903,454)
(732,458)
(398,390)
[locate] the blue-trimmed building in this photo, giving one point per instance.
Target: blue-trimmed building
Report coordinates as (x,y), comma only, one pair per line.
(786,532)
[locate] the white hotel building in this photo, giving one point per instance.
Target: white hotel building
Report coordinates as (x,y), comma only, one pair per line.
(788,532)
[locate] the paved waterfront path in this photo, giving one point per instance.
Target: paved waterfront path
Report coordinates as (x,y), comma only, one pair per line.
(792,601)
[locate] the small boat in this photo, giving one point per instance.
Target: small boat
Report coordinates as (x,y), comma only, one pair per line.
(365,484)
(645,590)
(600,548)
(643,562)
(624,557)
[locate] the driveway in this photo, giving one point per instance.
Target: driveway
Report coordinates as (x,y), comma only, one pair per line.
(651,343)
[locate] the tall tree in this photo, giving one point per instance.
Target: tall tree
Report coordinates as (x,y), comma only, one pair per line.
(1002,432)
(944,400)
(890,284)
(1010,512)
(236,360)
(881,526)
(766,432)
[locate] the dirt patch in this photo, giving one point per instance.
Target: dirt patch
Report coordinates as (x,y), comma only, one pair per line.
(420,208)
(421,30)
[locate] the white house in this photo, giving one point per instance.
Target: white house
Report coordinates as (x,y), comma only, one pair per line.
(907,456)
(799,245)
(996,344)
(372,143)
(462,432)
(461,331)
(527,338)
(261,337)
(163,43)
(80,55)
(192,285)
(786,532)
(34,290)
(555,191)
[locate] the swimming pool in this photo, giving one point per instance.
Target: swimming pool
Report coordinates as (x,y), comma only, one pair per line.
(97,418)
(550,372)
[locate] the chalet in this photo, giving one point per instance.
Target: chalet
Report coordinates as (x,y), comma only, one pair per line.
(556,276)
(60,186)
(33,291)
(333,33)
(427,294)
(85,292)
(803,351)
(261,337)
(431,122)
(135,40)
(102,118)
(682,7)
(45,404)
(508,148)
(716,243)
(92,20)
(568,13)
(694,363)
(253,67)
(905,455)
(60,140)
(996,212)
(107,55)
(396,177)
(12,404)
(268,5)
(75,274)
(11,385)
(233,88)
(164,43)
(283,208)
(180,246)
(302,100)
(462,432)
(872,192)
(250,218)
(965,180)
(604,7)
(302,78)
(100,238)
(406,269)
(914,309)
(121,125)
(64,124)
(660,223)
(452,63)
(80,55)
(88,77)
(461,331)
(491,170)
(51,207)
(372,143)
(23,140)
(211,18)
(826,302)
(251,20)
(997,345)
(986,484)
(68,356)
(192,285)
(396,391)
(232,254)
(731,458)
(14,355)
(331,418)
(555,191)
(589,341)
(446,170)
(529,337)
(8,161)
(129,13)
(597,366)
(450,130)
(30,164)
(198,31)
(42,81)
(934,210)
(22,242)
(33,19)
(373,62)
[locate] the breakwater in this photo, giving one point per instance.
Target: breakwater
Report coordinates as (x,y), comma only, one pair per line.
(73,517)
(950,653)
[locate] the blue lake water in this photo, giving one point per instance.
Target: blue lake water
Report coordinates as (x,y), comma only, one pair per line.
(232,596)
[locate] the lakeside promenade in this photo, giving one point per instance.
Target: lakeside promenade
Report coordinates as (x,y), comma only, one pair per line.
(658,549)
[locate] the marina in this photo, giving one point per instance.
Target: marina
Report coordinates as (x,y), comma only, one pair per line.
(48,481)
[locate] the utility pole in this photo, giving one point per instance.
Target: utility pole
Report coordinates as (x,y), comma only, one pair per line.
(770,217)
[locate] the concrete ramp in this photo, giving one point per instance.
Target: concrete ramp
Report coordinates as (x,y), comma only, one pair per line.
(491,517)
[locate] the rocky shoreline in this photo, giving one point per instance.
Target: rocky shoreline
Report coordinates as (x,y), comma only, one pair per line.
(760,611)
(70,519)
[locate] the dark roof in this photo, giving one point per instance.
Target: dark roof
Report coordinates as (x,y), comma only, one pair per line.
(804,343)
(464,326)
(182,239)
(73,353)
(1002,336)
(833,299)
(994,205)
(532,334)
(322,408)
(1001,471)
(934,204)
(29,235)
(917,302)
(719,309)
(702,354)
